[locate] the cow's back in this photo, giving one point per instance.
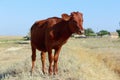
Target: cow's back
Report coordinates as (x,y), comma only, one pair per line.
(38,32)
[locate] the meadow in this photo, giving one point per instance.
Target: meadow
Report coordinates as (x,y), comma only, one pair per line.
(80,59)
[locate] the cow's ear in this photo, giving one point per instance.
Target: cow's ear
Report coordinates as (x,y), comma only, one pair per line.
(65,17)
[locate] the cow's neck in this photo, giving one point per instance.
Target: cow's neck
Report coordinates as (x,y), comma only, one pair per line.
(63,34)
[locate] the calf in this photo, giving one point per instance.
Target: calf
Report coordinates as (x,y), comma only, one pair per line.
(52,33)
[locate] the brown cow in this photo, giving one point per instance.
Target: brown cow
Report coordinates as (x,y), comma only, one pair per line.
(52,33)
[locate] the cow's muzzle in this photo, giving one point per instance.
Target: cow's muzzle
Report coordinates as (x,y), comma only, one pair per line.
(80,32)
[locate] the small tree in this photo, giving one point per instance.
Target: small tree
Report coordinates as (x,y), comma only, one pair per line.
(27,37)
(89,32)
(118,31)
(103,32)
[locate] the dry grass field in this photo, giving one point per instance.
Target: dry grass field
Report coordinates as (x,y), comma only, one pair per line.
(80,59)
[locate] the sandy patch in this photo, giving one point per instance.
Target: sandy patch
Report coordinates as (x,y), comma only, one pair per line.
(14,48)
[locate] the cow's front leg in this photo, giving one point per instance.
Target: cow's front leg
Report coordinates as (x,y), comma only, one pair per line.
(56,55)
(43,61)
(50,56)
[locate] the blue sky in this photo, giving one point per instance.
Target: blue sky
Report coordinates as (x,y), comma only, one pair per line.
(17,16)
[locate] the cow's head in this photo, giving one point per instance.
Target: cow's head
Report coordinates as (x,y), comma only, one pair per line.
(75,22)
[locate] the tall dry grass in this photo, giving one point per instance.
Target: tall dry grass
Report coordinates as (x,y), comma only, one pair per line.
(80,59)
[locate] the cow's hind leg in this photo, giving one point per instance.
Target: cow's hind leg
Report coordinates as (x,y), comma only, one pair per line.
(33,58)
(43,56)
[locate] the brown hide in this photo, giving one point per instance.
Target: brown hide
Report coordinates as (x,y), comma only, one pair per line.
(40,31)
(52,33)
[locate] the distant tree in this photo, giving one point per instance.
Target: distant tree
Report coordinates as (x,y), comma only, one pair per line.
(118,31)
(89,32)
(103,32)
(27,37)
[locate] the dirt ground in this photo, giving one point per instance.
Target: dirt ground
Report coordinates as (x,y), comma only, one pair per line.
(80,59)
